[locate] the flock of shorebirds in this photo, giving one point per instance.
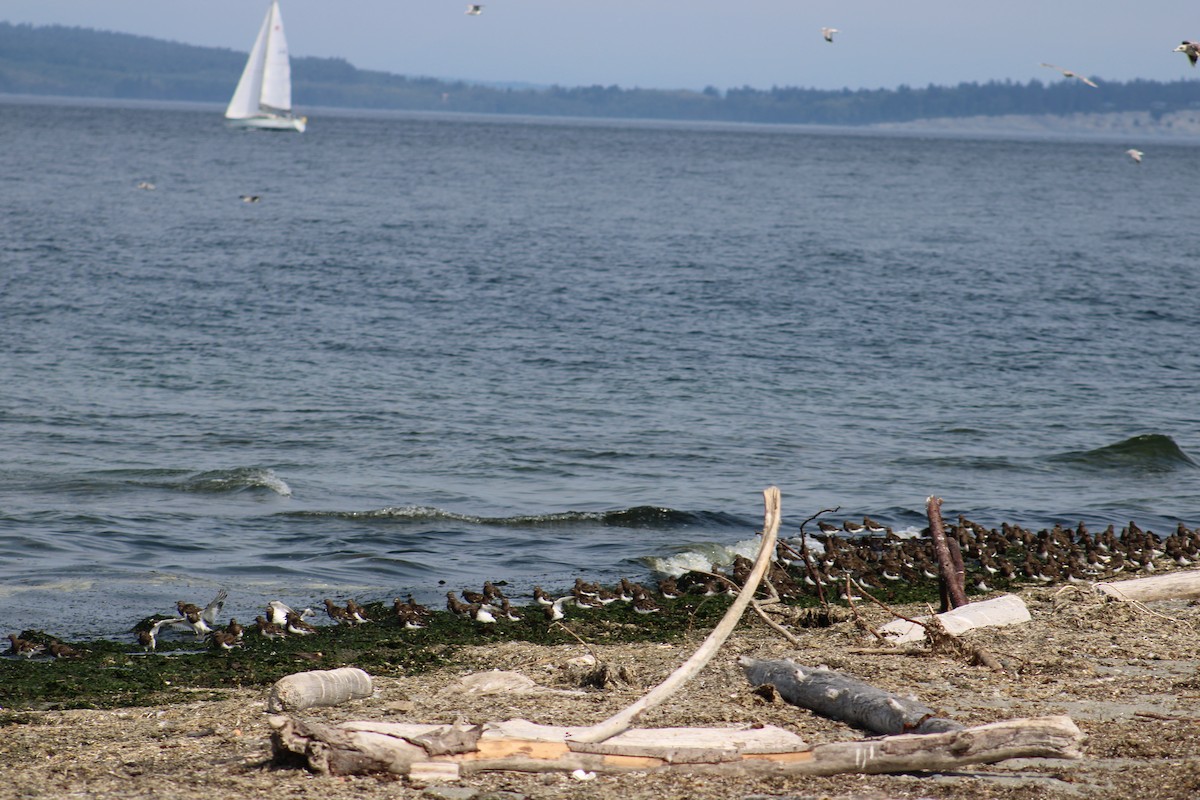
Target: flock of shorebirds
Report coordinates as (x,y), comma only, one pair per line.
(869,554)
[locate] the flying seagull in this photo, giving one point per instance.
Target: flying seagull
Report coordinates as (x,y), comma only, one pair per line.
(828,33)
(1190,49)
(474,10)
(1069,74)
(1135,154)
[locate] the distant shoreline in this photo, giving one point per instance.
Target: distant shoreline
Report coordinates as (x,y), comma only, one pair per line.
(1177,125)
(1174,127)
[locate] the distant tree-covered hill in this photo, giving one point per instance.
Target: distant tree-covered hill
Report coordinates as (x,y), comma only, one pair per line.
(55,60)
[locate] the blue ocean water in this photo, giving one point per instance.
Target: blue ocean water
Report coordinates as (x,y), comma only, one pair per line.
(449,348)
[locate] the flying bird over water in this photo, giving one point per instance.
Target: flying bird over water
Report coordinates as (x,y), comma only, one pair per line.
(474,10)
(1136,155)
(828,33)
(1069,74)
(1190,49)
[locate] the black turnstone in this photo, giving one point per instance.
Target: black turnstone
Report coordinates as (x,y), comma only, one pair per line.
(60,650)
(644,604)
(269,629)
(23,647)
(296,625)
(873,527)
(224,640)
(669,588)
(278,612)
(540,596)
(456,606)
(358,614)
(557,610)
(474,10)
(336,613)
(202,620)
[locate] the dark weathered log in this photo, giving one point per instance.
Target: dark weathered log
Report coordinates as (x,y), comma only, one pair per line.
(844,698)
(953,582)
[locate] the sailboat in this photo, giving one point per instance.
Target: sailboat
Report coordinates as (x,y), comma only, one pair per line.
(263,98)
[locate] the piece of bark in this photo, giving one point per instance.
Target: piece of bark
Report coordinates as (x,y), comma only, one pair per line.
(1008,609)
(623,719)
(1172,586)
(845,699)
(520,746)
(319,688)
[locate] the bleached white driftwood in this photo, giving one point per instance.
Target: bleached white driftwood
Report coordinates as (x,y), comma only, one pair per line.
(1007,609)
(319,688)
(1171,586)
(845,698)
(623,719)
(521,746)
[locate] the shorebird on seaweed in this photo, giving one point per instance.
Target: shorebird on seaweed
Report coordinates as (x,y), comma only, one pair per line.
(24,648)
(269,629)
(336,613)
(201,620)
(357,613)
(296,625)
(278,612)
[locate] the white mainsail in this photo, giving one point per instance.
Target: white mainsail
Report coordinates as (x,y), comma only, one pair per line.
(263,98)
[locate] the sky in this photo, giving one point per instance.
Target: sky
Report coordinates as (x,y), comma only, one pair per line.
(683,44)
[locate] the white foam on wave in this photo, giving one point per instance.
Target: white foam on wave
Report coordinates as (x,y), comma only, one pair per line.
(276,484)
(68,586)
(702,556)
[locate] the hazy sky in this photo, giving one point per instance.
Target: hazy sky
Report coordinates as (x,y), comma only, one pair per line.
(683,43)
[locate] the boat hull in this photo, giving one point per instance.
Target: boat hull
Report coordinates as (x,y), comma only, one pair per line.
(270,123)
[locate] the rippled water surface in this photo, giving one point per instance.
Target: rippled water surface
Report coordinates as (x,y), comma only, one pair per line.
(450,349)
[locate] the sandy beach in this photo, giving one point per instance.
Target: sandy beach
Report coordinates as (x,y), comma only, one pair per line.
(1128,674)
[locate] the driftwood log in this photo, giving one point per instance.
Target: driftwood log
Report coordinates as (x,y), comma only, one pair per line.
(521,746)
(845,699)
(319,688)
(1172,586)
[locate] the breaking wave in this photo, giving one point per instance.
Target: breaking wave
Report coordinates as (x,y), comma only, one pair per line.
(1151,452)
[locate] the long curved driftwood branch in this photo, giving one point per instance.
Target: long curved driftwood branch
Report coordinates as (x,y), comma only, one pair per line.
(622,720)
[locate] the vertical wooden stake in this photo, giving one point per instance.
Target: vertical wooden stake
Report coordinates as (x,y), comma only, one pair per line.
(952,580)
